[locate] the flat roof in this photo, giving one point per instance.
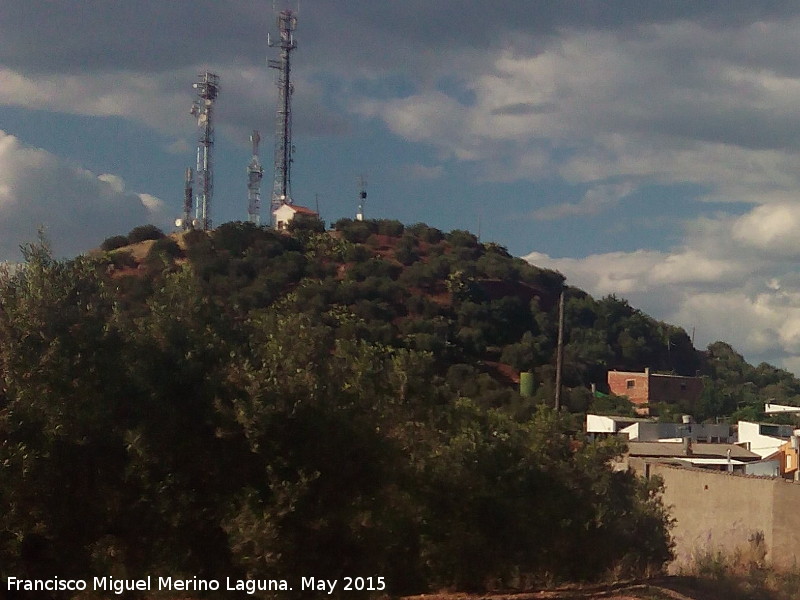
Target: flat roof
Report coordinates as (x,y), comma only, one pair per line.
(699,450)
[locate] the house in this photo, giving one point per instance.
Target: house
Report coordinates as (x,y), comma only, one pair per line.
(649,430)
(283,215)
(675,432)
(647,388)
(788,457)
(717,457)
(612,424)
(763,438)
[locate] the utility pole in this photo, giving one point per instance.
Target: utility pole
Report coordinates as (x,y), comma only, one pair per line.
(559,350)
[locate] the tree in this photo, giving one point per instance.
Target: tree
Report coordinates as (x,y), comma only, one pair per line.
(143,233)
(114,242)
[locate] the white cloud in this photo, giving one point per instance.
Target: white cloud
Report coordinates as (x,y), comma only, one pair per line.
(771,228)
(594,201)
(714,284)
(422,172)
(77,208)
(673,103)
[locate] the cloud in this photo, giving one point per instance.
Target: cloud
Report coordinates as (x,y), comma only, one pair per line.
(724,282)
(594,201)
(76,208)
(771,229)
(421,172)
(666,102)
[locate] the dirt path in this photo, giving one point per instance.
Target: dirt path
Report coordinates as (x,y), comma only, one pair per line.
(666,589)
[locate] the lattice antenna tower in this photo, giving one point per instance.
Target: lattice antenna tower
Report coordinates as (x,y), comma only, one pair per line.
(281,187)
(255,172)
(185,222)
(362,197)
(203,109)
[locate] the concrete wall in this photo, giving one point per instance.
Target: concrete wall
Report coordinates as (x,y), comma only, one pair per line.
(717,511)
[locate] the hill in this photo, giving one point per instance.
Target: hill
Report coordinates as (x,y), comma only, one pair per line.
(255,404)
(477,308)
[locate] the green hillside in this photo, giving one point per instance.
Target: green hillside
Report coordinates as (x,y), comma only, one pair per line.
(246,403)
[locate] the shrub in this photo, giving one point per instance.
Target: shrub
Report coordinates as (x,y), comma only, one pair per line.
(310,223)
(143,233)
(390,227)
(459,237)
(114,242)
(166,247)
(427,234)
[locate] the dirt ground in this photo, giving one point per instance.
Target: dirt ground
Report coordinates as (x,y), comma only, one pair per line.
(669,588)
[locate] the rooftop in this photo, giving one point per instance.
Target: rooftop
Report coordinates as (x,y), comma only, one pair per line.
(699,450)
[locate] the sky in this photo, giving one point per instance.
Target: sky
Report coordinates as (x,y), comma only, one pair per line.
(646,149)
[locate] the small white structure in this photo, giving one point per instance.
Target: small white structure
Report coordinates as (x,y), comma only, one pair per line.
(649,430)
(283,215)
(714,433)
(610,424)
(763,438)
(773,409)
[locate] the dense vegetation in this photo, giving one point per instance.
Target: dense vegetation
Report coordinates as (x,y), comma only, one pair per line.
(249,403)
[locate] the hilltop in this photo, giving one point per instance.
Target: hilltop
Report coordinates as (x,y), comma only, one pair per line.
(477,308)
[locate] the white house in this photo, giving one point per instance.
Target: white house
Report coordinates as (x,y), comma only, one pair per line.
(284,215)
(610,424)
(698,432)
(763,438)
(648,430)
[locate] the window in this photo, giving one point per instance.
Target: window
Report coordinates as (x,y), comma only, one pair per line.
(630,383)
(683,387)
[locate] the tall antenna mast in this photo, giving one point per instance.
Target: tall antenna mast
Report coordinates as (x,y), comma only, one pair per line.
(281,187)
(362,197)
(207,89)
(185,222)
(254,174)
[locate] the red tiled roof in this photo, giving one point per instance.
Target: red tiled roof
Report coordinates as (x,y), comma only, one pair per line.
(301,209)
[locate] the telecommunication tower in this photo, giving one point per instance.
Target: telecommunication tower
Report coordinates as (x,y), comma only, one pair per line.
(362,197)
(281,191)
(203,109)
(185,222)
(254,174)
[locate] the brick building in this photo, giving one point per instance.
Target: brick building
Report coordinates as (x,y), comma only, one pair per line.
(644,389)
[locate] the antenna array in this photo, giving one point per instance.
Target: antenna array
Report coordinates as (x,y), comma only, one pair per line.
(185,222)
(281,192)
(255,172)
(362,197)
(203,109)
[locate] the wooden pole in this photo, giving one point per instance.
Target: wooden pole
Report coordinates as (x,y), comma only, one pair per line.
(559,350)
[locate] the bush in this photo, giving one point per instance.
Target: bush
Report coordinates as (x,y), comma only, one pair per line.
(356,232)
(429,235)
(390,227)
(123,259)
(459,237)
(310,223)
(166,247)
(143,233)
(114,242)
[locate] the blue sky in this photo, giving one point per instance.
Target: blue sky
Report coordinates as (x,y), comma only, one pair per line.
(643,148)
